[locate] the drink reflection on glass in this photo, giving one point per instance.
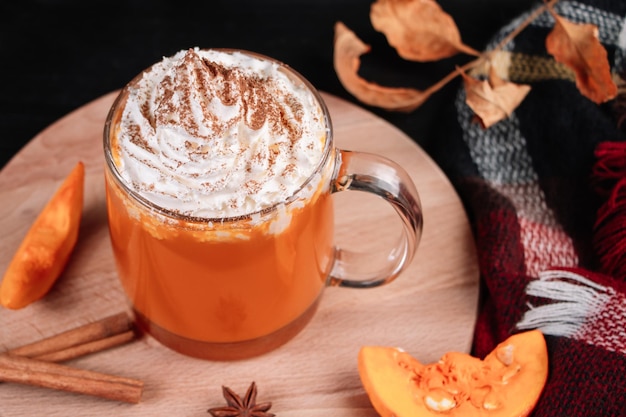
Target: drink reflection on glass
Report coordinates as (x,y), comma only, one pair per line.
(220,170)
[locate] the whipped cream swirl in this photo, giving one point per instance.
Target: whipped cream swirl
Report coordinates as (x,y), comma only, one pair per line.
(213,134)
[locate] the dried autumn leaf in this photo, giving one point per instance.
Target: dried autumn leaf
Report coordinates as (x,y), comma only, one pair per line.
(577,46)
(493,100)
(419,30)
(348,49)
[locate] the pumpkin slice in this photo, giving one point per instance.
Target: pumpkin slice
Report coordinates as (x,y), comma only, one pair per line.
(47,246)
(507,383)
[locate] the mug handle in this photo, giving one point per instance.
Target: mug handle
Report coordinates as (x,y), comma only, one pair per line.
(361,171)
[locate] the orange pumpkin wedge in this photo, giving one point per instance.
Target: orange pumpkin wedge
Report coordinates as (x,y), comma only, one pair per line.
(47,246)
(507,383)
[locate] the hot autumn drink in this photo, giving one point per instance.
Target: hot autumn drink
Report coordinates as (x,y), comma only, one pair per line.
(220,171)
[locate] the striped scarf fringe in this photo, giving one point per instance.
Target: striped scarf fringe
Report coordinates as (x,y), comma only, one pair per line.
(571,303)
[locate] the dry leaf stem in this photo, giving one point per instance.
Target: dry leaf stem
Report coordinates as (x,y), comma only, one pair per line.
(523,25)
(486,56)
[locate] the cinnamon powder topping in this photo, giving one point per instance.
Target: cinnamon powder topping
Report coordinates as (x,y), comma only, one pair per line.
(224,133)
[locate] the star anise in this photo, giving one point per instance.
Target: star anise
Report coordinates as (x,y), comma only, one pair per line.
(238,407)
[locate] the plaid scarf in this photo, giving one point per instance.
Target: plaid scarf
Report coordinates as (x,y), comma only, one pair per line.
(545,191)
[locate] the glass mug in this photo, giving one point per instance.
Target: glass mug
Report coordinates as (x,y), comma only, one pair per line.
(236,287)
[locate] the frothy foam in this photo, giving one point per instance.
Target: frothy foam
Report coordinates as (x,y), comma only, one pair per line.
(214,134)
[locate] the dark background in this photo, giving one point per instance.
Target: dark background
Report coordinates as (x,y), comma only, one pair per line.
(57,55)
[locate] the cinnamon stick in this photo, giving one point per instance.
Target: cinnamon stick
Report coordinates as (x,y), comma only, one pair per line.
(87,348)
(33,364)
(98,330)
(66,378)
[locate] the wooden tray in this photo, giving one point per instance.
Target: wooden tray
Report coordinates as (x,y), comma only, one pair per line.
(428,310)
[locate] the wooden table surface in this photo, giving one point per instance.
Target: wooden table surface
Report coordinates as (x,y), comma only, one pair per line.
(430,309)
